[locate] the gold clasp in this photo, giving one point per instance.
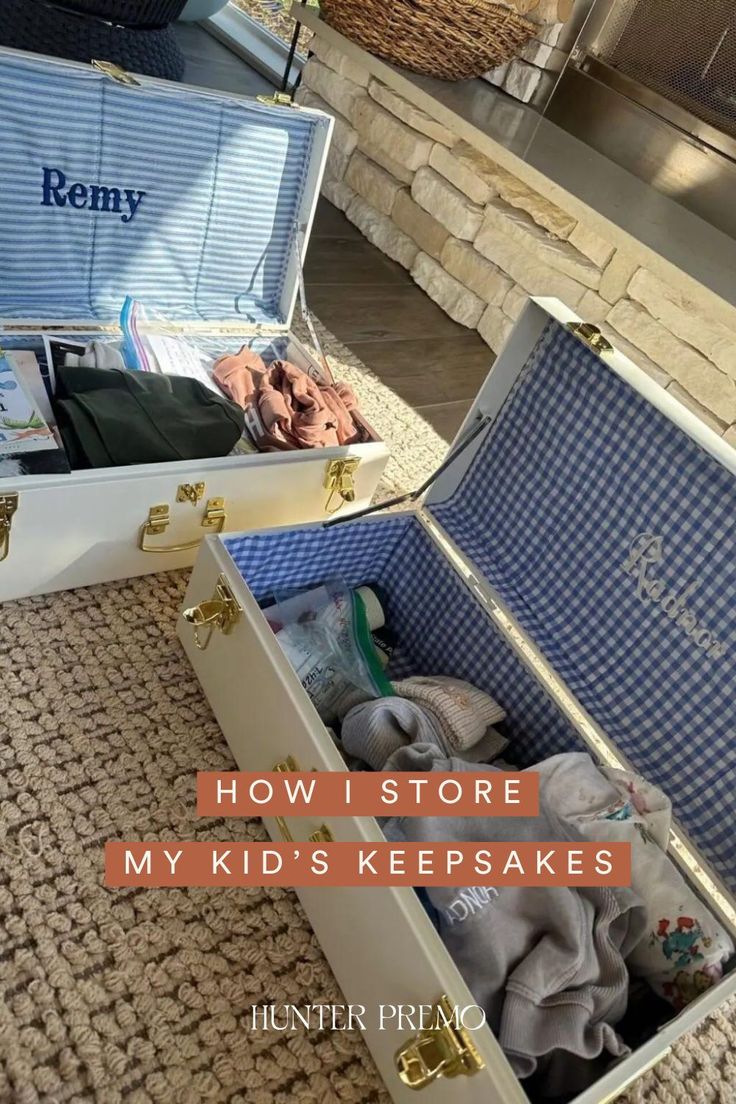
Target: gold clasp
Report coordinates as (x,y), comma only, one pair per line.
(8,506)
(340,481)
(444,1049)
(591,335)
(322,835)
(190,492)
(115,72)
(159,518)
(221,611)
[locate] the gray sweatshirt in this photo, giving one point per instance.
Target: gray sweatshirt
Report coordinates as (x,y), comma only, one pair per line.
(547,964)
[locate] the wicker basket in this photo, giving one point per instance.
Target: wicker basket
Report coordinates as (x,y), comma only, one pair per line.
(451,39)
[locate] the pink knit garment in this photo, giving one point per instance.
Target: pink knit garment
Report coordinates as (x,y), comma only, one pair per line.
(295,411)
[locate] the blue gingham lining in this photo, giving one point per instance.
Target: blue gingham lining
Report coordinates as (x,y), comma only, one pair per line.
(214,233)
(576,466)
(441,628)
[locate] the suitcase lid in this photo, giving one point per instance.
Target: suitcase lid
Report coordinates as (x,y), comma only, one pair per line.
(603,514)
(189,200)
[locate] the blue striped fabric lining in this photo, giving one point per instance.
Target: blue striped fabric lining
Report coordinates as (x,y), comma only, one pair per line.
(441,628)
(576,467)
(213,235)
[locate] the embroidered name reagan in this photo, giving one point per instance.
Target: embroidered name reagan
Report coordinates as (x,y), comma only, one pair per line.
(97,197)
(646,553)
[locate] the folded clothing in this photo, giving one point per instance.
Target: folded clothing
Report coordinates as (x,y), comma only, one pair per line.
(98,354)
(436,716)
(109,416)
(284,407)
(462,711)
(685,948)
(547,963)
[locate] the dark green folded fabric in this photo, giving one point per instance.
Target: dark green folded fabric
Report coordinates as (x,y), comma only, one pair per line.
(109,417)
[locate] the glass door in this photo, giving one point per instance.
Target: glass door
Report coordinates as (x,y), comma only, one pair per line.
(263,32)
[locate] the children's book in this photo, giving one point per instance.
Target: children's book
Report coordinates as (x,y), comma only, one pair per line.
(22,428)
(27,371)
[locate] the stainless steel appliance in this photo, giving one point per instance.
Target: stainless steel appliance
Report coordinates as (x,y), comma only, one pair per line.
(652,85)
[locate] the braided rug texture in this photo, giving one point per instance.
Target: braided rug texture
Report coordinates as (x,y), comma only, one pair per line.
(142,996)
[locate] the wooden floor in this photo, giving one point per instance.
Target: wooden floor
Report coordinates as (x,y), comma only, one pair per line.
(371,304)
(377,310)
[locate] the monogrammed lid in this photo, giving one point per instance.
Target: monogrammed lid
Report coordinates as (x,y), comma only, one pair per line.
(186,200)
(611,536)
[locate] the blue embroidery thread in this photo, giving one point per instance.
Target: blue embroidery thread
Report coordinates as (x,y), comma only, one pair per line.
(97,197)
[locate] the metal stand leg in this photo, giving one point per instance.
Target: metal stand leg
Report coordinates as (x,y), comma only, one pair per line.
(290,58)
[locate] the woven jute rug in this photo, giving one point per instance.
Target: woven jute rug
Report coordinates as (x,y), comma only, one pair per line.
(142,996)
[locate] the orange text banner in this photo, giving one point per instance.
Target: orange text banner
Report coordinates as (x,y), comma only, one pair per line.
(358,864)
(367,793)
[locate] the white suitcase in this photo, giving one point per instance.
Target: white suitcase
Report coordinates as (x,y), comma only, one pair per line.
(511,575)
(214,246)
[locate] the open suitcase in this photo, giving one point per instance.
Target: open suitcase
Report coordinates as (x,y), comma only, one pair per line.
(512,574)
(214,246)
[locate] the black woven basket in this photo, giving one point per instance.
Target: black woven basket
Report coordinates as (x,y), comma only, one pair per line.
(45,28)
(129,13)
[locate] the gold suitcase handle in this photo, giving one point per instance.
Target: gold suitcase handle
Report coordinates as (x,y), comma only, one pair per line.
(323,833)
(159,518)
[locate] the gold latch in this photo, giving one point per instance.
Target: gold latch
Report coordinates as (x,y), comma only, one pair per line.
(340,482)
(278,99)
(591,335)
(322,835)
(190,492)
(115,72)
(444,1049)
(159,518)
(8,506)
(221,612)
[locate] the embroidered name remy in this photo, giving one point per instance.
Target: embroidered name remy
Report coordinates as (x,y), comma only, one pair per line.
(647,550)
(97,197)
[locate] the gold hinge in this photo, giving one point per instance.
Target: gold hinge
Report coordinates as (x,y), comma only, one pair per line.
(278,99)
(322,835)
(221,611)
(340,482)
(591,335)
(115,72)
(444,1049)
(8,506)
